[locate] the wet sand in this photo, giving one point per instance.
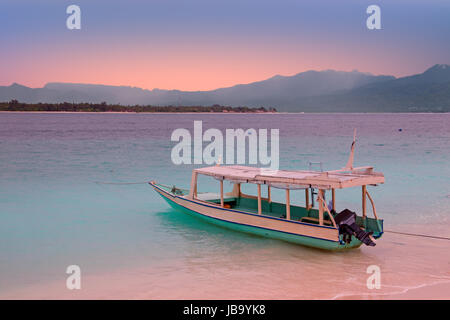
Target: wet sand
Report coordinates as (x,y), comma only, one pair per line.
(411,268)
(439,291)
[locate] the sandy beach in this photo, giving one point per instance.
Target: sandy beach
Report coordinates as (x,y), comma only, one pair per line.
(396,255)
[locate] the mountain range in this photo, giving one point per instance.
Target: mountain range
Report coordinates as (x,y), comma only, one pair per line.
(310,91)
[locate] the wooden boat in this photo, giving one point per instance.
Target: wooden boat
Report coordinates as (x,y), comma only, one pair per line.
(320,227)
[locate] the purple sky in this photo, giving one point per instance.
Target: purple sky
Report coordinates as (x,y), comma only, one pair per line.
(205,44)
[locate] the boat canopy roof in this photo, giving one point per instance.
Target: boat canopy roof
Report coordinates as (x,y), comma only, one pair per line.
(294,179)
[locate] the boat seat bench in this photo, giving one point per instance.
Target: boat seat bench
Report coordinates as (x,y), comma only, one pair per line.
(306,219)
(209,196)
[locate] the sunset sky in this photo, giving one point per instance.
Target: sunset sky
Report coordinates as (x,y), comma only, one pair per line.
(206,44)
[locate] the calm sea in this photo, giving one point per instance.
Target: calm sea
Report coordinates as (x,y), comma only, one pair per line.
(130,244)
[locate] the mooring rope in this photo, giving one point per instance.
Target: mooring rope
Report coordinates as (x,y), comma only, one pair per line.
(101,182)
(418,235)
(145,182)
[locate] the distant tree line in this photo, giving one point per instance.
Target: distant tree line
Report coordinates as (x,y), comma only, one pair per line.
(15,105)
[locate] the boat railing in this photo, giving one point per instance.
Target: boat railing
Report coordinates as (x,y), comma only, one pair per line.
(174,189)
(319,198)
(374,211)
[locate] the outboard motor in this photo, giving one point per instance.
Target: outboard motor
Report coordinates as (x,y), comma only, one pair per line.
(346,220)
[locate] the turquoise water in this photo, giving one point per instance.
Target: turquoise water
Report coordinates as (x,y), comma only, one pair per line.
(54,214)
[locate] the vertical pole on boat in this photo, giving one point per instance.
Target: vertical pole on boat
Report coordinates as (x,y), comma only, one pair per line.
(259,198)
(288,205)
(193,190)
(320,197)
(333,199)
(364,191)
(236,190)
(269,197)
(307,198)
(221,193)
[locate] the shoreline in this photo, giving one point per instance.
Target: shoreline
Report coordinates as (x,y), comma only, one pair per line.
(134,112)
(218,113)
